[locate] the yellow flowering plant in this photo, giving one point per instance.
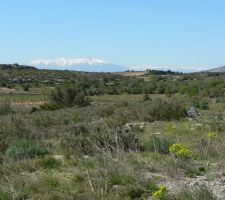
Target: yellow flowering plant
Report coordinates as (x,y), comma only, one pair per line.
(160,192)
(212,135)
(180,151)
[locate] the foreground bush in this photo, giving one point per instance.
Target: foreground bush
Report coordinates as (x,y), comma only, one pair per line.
(68,96)
(180,151)
(102,136)
(24,149)
(158,144)
(5,109)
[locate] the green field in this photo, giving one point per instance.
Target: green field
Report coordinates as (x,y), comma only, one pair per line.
(22,97)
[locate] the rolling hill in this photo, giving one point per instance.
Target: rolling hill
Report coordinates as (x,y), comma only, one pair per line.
(218,69)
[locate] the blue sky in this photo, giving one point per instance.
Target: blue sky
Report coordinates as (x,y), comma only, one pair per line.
(184,34)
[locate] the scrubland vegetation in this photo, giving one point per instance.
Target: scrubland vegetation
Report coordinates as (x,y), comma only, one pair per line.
(104,136)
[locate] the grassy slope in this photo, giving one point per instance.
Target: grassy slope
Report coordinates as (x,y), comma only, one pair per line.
(82,177)
(126,175)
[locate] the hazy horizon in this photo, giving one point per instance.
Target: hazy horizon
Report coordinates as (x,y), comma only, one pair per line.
(178,35)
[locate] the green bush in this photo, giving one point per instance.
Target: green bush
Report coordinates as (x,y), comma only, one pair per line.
(33,109)
(87,139)
(26,87)
(5,109)
(77,140)
(140,190)
(146,98)
(24,149)
(68,96)
(202,105)
(49,106)
(63,96)
(158,144)
(119,178)
(14,129)
(106,111)
(81,100)
(160,110)
(4,195)
(49,163)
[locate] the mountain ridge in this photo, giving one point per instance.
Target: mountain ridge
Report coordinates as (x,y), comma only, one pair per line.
(217,69)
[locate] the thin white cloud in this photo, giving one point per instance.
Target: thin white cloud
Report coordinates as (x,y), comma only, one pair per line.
(68,62)
(173,68)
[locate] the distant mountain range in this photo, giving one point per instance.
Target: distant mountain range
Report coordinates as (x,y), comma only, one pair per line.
(218,69)
(98,67)
(15,66)
(105,67)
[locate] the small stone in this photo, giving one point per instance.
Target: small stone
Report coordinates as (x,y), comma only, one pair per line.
(117,187)
(158,133)
(192,113)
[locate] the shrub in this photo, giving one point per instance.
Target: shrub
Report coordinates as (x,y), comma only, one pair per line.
(146,98)
(13,130)
(107,136)
(158,144)
(77,140)
(26,87)
(160,192)
(24,149)
(37,185)
(190,90)
(4,195)
(63,96)
(120,178)
(193,171)
(68,96)
(49,163)
(202,105)
(180,151)
(79,177)
(81,100)
(114,137)
(136,192)
(106,111)
(200,193)
(140,190)
(49,106)
(212,135)
(166,110)
(5,109)
(33,109)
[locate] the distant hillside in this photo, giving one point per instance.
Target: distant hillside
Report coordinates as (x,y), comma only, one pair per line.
(15,74)
(161,72)
(147,72)
(15,66)
(217,70)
